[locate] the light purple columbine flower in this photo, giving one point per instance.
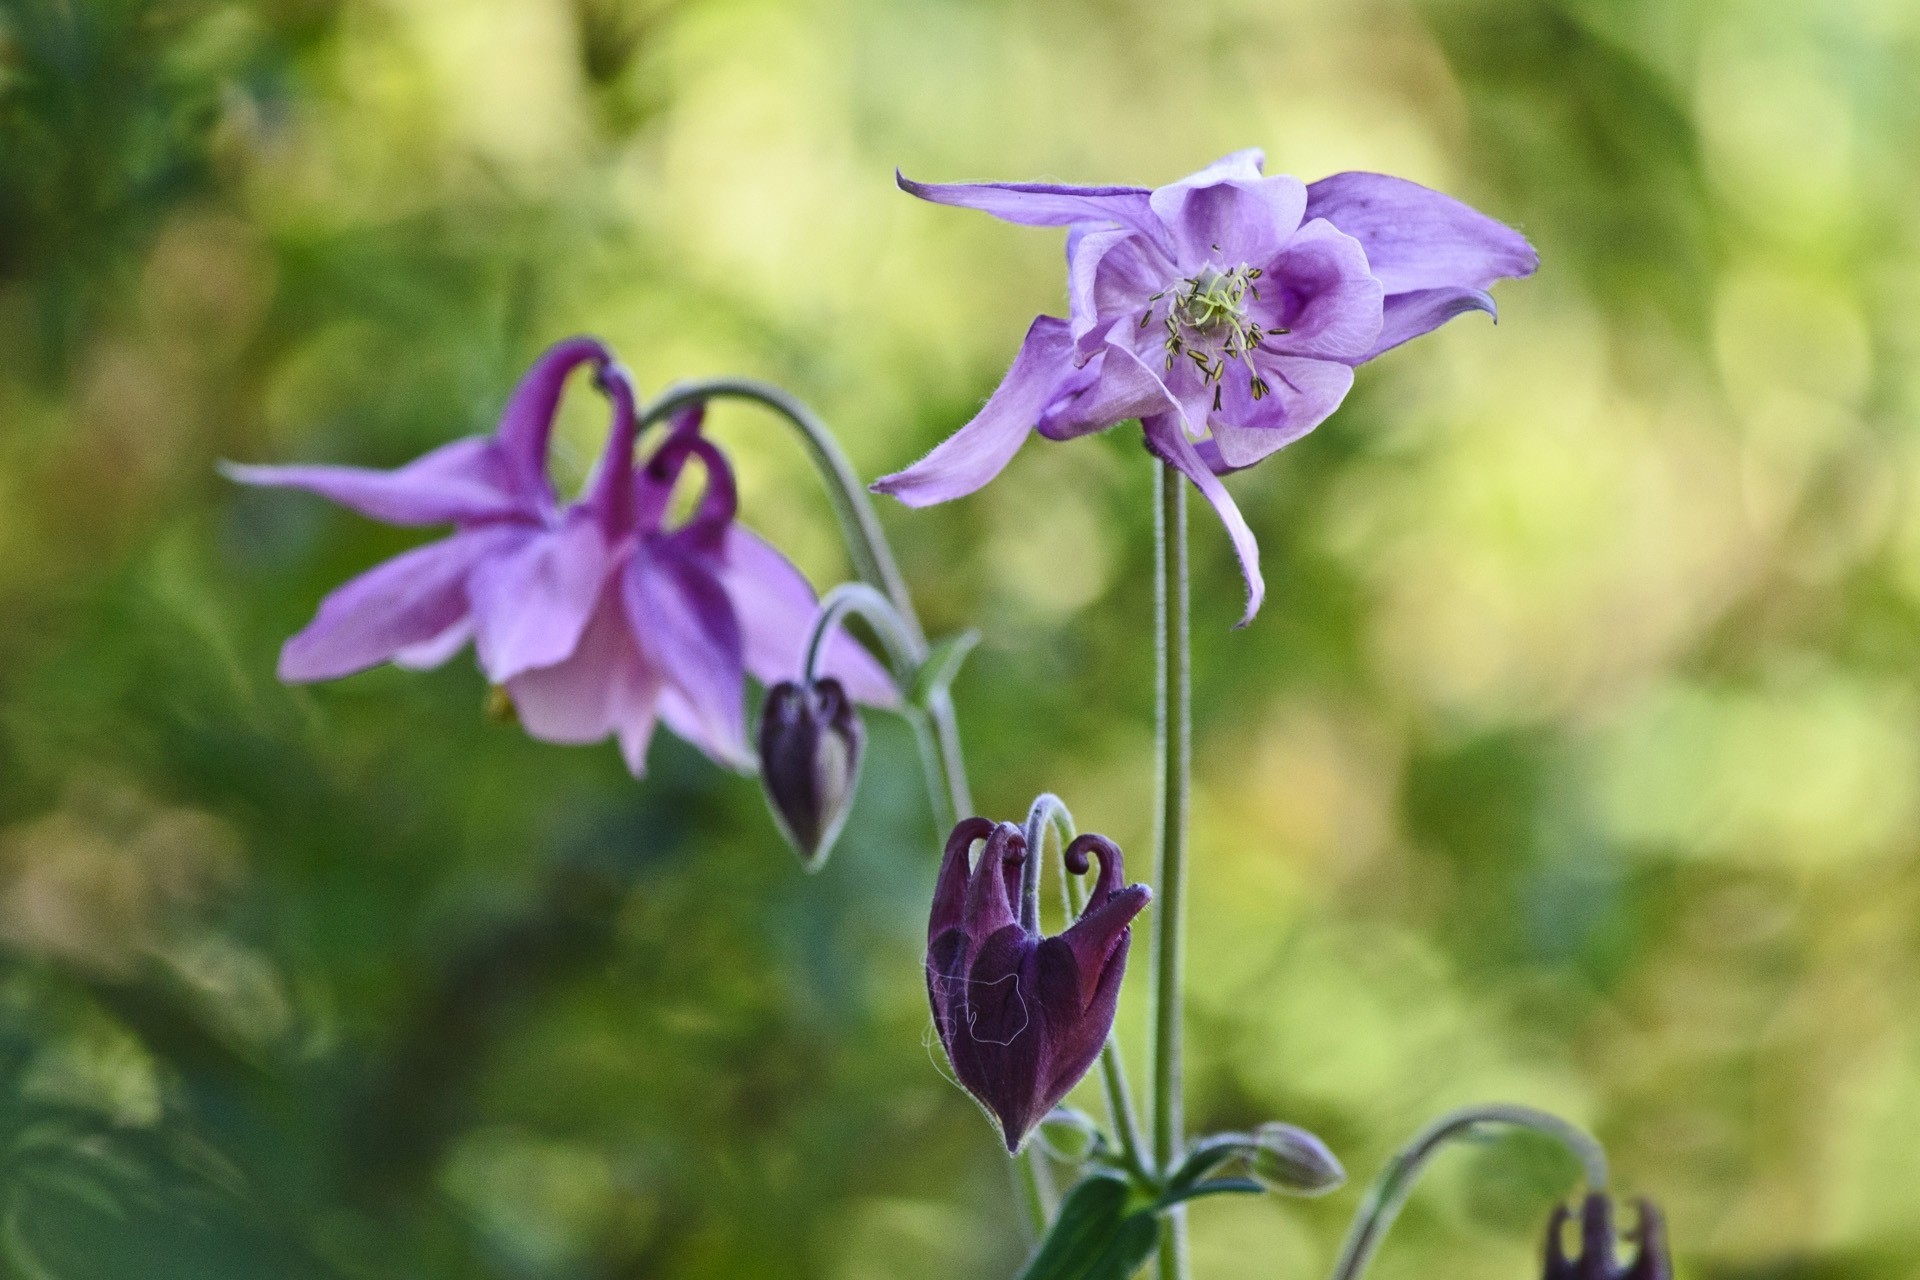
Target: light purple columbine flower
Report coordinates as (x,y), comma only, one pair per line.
(597,618)
(1022,1017)
(1225,311)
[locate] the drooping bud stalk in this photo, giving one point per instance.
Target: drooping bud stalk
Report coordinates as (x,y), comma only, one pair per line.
(810,743)
(1291,1161)
(1021,1016)
(1595,1259)
(1069,1136)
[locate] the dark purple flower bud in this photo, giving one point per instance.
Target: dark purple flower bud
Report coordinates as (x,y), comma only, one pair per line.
(1022,1017)
(810,740)
(1595,1260)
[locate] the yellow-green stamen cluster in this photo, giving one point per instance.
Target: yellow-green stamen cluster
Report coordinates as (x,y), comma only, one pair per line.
(1206,321)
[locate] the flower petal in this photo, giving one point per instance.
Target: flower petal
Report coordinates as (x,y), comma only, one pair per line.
(1108,390)
(776,607)
(1408,315)
(1040,204)
(1168,440)
(1111,274)
(686,630)
(977,452)
(409,601)
(1301,394)
(1417,238)
(530,606)
(1228,214)
(463,481)
(429,654)
(1319,291)
(603,687)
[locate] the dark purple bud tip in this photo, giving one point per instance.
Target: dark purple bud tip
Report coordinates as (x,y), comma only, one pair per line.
(1596,1258)
(1023,1016)
(810,742)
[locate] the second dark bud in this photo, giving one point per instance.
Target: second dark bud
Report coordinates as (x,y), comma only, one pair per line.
(810,744)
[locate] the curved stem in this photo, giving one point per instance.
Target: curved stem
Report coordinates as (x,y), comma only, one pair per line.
(866,543)
(1390,1190)
(904,652)
(1174,730)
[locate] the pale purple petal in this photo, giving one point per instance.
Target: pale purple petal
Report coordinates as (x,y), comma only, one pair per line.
(604,687)
(1228,214)
(1040,204)
(1301,393)
(776,606)
(1166,438)
(687,631)
(977,452)
(1409,315)
(529,607)
(527,421)
(1416,238)
(464,481)
(1108,390)
(1110,274)
(408,601)
(429,654)
(1319,291)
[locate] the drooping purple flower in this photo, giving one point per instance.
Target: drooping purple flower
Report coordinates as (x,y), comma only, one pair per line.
(1595,1259)
(1225,311)
(596,618)
(1022,1017)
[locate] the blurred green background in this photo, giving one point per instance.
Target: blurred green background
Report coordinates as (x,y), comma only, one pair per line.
(1573,760)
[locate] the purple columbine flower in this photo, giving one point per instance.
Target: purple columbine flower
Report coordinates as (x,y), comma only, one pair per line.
(1022,1017)
(1225,311)
(596,618)
(1595,1259)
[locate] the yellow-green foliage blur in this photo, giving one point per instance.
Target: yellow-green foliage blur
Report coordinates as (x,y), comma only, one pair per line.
(1574,760)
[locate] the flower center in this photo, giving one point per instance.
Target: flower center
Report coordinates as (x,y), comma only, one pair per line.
(1206,321)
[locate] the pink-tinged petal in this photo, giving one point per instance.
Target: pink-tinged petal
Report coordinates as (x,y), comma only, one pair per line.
(461,482)
(1166,438)
(408,601)
(1228,214)
(1301,393)
(527,422)
(1109,389)
(686,629)
(1319,291)
(1040,204)
(776,607)
(604,687)
(530,606)
(1409,315)
(1416,238)
(977,452)
(429,654)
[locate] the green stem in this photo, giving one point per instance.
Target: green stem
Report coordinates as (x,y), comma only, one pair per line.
(1390,1190)
(1174,730)
(904,652)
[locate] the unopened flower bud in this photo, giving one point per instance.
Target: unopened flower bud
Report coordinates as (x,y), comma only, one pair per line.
(1287,1159)
(1595,1259)
(1069,1136)
(810,741)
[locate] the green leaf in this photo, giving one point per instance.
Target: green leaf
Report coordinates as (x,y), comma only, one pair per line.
(1098,1235)
(941,666)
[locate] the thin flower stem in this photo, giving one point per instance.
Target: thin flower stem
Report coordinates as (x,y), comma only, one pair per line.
(1174,731)
(1390,1190)
(904,653)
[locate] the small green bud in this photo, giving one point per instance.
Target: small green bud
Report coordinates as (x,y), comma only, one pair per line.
(1069,1136)
(1288,1160)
